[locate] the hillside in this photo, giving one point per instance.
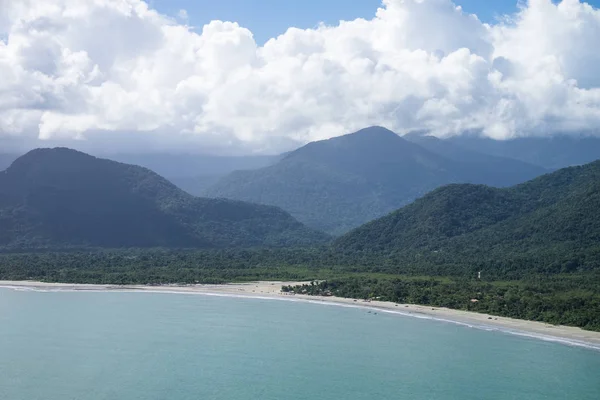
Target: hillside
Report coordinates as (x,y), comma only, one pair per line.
(338,184)
(55,198)
(551,223)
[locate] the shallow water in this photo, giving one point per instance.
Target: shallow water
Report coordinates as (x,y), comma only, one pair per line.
(114,345)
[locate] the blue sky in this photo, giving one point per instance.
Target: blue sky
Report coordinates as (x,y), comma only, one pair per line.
(269,18)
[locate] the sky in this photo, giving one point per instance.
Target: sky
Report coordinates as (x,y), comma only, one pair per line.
(242,77)
(270,18)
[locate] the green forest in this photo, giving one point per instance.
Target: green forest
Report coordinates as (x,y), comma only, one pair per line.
(536,245)
(570,297)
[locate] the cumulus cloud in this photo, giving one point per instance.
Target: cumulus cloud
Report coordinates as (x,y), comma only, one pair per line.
(117,73)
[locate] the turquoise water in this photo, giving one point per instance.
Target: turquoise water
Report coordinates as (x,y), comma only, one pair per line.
(89,345)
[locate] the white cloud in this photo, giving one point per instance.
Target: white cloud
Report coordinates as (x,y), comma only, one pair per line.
(183,15)
(115,72)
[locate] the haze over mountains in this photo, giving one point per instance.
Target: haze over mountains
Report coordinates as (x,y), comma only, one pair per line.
(57,198)
(552,152)
(190,172)
(483,168)
(338,184)
(6,160)
(194,172)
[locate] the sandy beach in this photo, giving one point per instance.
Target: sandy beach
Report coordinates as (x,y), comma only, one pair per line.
(272,290)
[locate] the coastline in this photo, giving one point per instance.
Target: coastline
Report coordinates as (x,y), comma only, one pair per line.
(272,290)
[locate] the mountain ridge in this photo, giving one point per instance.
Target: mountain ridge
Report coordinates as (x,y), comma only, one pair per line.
(337,184)
(506,170)
(551,152)
(551,219)
(61,197)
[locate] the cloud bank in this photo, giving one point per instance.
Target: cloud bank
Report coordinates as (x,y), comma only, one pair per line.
(116,73)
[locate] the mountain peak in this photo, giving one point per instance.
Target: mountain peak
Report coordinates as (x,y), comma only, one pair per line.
(56,158)
(374,131)
(64,198)
(53,152)
(337,184)
(371,136)
(373,142)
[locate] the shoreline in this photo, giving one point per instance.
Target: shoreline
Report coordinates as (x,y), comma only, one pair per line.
(271,290)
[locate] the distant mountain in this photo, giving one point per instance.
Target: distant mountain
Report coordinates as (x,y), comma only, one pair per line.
(338,184)
(551,222)
(195,185)
(194,172)
(63,198)
(6,160)
(485,168)
(552,152)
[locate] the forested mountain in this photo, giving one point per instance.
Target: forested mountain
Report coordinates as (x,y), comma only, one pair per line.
(552,152)
(551,223)
(59,198)
(536,244)
(191,172)
(337,184)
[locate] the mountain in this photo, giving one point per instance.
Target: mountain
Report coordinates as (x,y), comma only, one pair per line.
(6,160)
(63,198)
(551,152)
(338,184)
(485,168)
(551,222)
(195,185)
(194,172)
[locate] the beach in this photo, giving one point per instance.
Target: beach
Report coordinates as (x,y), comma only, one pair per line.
(272,290)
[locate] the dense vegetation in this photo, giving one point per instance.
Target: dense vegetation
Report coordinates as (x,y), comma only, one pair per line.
(549,225)
(61,198)
(566,299)
(338,184)
(537,246)
(157,266)
(571,298)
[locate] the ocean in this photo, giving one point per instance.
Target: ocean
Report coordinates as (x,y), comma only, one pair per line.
(118,345)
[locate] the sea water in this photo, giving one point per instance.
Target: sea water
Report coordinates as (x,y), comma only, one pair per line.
(118,345)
